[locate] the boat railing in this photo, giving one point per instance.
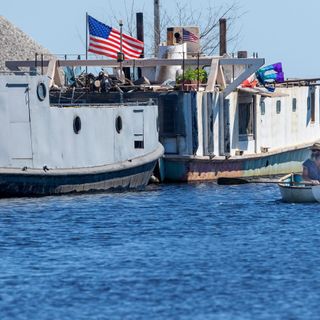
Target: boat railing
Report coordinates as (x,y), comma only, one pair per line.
(133,103)
(73,95)
(218,79)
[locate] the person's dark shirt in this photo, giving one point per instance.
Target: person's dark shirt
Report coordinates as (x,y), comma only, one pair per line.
(313,170)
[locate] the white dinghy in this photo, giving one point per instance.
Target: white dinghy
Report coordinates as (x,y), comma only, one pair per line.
(294,189)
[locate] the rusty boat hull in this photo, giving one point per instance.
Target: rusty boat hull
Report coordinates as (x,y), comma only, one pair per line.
(192,168)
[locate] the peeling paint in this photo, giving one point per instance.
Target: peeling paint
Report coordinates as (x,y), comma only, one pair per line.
(182,169)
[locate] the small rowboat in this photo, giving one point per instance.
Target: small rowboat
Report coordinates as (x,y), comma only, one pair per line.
(294,189)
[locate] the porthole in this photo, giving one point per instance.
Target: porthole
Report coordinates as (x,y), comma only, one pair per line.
(41,91)
(76,125)
(118,124)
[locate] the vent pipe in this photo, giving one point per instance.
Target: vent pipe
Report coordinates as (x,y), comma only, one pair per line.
(223,36)
(140,35)
(156,6)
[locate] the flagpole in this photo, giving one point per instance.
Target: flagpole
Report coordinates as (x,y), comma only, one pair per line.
(121,53)
(86,40)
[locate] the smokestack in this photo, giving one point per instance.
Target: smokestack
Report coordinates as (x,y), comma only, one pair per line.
(223,36)
(140,35)
(156,6)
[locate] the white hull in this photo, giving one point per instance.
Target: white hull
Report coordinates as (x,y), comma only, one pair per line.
(120,177)
(316,193)
(293,190)
(62,147)
(297,194)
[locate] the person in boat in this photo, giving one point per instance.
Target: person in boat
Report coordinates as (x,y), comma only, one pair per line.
(311,167)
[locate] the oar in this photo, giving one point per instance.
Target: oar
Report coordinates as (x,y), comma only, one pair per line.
(224,181)
(233,181)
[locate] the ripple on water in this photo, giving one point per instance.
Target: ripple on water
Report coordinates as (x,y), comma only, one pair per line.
(196,251)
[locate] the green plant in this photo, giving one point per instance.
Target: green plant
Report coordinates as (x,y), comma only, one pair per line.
(192,75)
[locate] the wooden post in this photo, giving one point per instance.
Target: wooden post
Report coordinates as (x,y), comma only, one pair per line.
(42,64)
(156,26)
(140,35)
(223,36)
(198,68)
(183,67)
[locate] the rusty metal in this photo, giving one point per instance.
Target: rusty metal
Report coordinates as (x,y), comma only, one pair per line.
(205,169)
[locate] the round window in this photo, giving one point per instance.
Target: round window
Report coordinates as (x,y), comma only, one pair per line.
(41,91)
(118,124)
(76,125)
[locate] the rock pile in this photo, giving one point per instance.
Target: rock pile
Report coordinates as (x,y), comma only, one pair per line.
(16,45)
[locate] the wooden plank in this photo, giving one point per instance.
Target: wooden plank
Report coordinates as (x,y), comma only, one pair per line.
(212,79)
(221,80)
(253,66)
(204,61)
(242,61)
(13,65)
(54,74)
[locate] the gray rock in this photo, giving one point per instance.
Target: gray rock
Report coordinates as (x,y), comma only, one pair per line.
(16,45)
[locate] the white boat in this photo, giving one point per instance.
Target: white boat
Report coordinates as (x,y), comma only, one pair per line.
(224,128)
(50,145)
(294,189)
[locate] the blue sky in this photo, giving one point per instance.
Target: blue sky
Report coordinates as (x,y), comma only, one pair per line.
(279,30)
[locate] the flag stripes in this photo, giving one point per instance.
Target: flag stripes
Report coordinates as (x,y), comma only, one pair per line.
(105,40)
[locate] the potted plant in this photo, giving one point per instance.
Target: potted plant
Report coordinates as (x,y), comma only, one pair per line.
(191,77)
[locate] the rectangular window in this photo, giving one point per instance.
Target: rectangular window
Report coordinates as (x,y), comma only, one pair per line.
(138,128)
(172,120)
(278,106)
(138,144)
(262,107)
(294,104)
(313,106)
(246,114)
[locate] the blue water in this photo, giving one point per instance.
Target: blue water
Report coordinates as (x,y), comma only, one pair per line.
(196,251)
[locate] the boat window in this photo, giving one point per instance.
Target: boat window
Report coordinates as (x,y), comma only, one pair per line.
(76,124)
(246,114)
(118,124)
(138,144)
(41,91)
(278,106)
(138,128)
(171,114)
(312,105)
(262,107)
(294,104)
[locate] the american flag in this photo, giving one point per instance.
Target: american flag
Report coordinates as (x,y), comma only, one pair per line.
(189,36)
(105,40)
